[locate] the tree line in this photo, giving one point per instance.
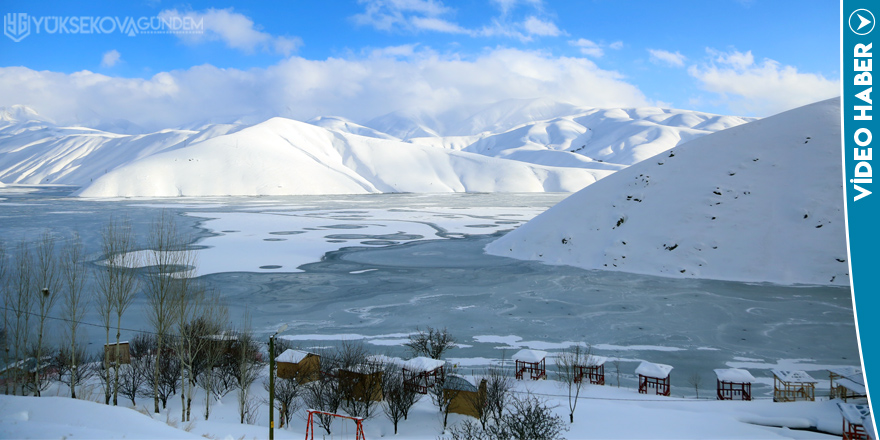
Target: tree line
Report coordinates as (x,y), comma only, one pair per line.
(190,343)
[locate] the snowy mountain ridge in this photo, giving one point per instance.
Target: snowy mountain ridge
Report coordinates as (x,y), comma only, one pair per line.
(759,202)
(571,148)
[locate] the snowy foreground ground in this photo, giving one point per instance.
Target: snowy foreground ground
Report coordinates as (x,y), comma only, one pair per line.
(604,412)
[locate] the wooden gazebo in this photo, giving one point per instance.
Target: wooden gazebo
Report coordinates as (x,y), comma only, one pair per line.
(654,376)
(303,366)
(793,385)
(734,384)
(593,370)
(533,362)
(855,417)
(422,373)
(847,383)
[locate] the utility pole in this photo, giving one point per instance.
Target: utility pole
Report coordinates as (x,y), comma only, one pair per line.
(272,382)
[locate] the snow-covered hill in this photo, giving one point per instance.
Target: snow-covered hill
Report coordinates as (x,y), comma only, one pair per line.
(545,146)
(282,156)
(758,202)
(614,137)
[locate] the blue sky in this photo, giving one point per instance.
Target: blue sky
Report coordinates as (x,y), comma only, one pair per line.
(360,59)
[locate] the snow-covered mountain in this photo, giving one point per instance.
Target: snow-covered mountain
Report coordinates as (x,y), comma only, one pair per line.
(282,156)
(758,202)
(544,145)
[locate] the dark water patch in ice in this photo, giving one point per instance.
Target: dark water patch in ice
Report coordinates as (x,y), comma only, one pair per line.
(274,239)
(343,226)
(379,242)
(270,266)
(287,232)
(398,236)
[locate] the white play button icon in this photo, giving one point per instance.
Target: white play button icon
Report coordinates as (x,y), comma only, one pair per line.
(865,22)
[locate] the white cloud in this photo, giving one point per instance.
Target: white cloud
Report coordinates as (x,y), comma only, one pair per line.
(535,26)
(358,88)
(617,45)
(432,15)
(588,48)
(659,56)
(235,30)
(110,58)
(763,88)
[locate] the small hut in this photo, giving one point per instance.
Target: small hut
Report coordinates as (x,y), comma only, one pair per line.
(422,373)
(463,396)
(363,382)
(533,362)
(847,383)
(593,370)
(303,366)
(110,354)
(855,419)
(734,384)
(654,376)
(793,385)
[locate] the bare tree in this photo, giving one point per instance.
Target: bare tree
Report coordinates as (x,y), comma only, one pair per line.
(569,365)
(247,354)
(74,274)
(616,364)
(133,377)
(323,395)
(431,342)
(442,394)
(287,398)
(47,284)
(168,261)
(22,308)
(200,316)
(695,380)
(531,418)
(398,397)
(6,293)
(498,389)
(71,368)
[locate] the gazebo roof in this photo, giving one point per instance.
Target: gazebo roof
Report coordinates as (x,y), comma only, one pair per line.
(292,356)
(595,361)
(532,356)
(649,369)
(458,383)
(423,364)
(854,414)
(794,376)
(734,375)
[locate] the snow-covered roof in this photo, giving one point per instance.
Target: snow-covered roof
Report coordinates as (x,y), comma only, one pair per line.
(423,364)
(734,375)
(854,414)
(595,361)
(458,384)
(852,378)
(382,359)
(858,388)
(532,356)
(292,356)
(651,369)
(794,376)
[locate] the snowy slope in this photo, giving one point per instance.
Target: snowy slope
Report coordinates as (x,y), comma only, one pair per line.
(34,153)
(282,156)
(613,137)
(342,125)
(758,202)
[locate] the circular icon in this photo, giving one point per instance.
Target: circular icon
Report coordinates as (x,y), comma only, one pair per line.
(861,22)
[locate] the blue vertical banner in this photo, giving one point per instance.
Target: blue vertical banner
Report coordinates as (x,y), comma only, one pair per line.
(860,40)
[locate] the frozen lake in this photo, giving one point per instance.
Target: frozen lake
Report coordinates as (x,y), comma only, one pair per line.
(374,267)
